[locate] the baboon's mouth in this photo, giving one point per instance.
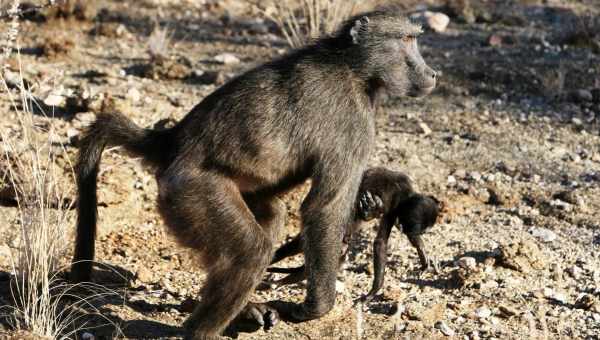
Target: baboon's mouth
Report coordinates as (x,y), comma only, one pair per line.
(418,92)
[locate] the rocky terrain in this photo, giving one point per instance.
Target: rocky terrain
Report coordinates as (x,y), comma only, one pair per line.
(509,142)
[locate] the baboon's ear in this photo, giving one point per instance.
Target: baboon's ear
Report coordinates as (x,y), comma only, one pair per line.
(357,32)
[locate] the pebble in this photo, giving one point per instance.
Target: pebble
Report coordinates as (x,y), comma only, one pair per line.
(145,275)
(87,336)
(437,21)
(543,234)
(444,328)
(467,262)
(134,95)
(55,100)
(425,130)
(575,272)
(340,287)
(483,312)
(227,59)
(507,311)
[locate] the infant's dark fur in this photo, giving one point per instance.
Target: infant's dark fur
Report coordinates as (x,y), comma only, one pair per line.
(383,194)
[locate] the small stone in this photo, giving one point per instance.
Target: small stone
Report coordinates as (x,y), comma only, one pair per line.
(568,196)
(145,275)
(425,130)
(444,328)
(134,95)
(587,302)
(560,297)
(476,176)
(467,262)
(451,180)
(489,285)
(210,77)
(507,311)
(543,234)
(55,100)
(340,287)
(438,21)
(483,312)
(495,40)
(227,59)
(87,336)
(575,272)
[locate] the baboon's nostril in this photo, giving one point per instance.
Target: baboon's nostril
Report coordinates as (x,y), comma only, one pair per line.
(433,74)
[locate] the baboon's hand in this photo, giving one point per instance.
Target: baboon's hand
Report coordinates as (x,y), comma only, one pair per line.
(370,206)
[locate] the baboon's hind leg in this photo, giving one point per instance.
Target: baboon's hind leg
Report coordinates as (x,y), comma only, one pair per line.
(207,213)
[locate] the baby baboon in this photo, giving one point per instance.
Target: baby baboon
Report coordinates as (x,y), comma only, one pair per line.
(383,194)
(221,169)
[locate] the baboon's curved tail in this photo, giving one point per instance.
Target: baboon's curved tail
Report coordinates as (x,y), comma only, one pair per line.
(112,129)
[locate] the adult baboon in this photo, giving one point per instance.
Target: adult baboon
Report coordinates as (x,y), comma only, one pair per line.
(384,194)
(221,168)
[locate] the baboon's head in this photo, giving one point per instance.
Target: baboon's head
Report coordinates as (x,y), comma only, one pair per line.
(389,53)
(418,213)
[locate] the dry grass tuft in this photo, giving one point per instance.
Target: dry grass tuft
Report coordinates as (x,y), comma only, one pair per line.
(159,43)
(43,303)
(304,20)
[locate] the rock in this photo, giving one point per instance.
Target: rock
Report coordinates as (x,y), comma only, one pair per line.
(87,336)
(587,302)
(451,180)
(227,59)
(467,262)
(559,296)
(145,275)
(428,315)
(483,312)
(575,272)
(507,311)
(498,40)
(495,40)
(522,256)
(475,176)
(340,287)
(444,328)
(580,96)
(209,77)
(55,100)
(436,21)
(425,130)
(134,95)
(568,196)
(543,234)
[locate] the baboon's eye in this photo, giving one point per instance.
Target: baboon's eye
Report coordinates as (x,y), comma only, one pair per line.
(408,38)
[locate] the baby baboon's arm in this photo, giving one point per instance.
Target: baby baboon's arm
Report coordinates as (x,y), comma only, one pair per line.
(380,254)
